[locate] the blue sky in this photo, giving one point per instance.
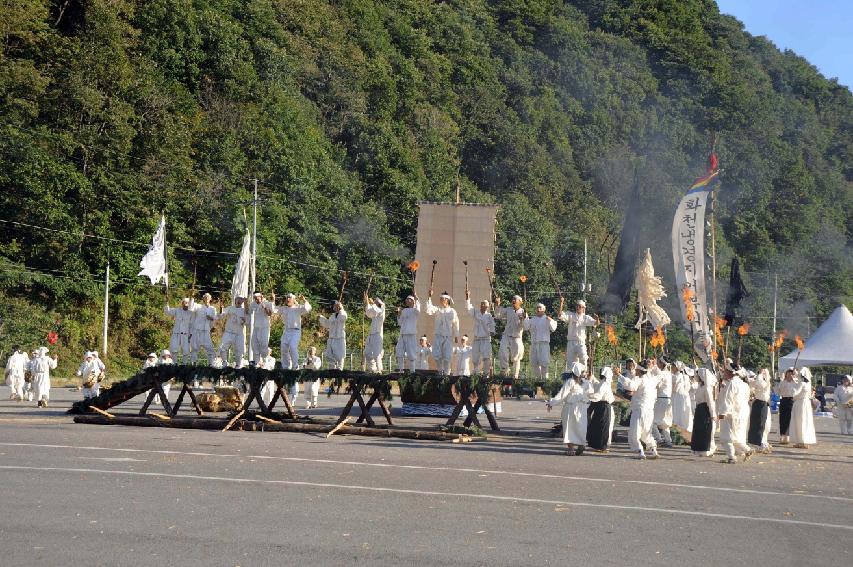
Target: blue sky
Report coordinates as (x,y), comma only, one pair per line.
(819,30)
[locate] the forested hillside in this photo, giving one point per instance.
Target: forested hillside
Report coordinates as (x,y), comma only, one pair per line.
(349,112)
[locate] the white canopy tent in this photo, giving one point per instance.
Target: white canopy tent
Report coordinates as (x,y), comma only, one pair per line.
(831,343)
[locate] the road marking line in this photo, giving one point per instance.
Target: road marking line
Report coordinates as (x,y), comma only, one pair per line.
(437,469)
(419,492)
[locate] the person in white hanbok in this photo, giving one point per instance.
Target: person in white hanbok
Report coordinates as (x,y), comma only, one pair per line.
(374,348)
(733,415)
(574,396)
(267,362)
(204,316)
(40,368)
(291,314)
(179,342)
(90,372)
(484,328)
(260,312)
(446,333)
(601,418)
(511,349)
(844,405)
(704,415)
(643,390)
(682,402)
(663,403)
(539,329)
(336,345)
(802,415)
(577,322)
(759,410)
(406,350)
(312,387)
(422,354)
(16,369)
(463,357)
(234,336)
(787,389)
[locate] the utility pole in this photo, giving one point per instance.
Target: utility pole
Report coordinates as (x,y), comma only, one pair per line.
(106,307)
(773,336)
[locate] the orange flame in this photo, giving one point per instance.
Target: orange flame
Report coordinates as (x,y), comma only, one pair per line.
(800,344)
(658,339)
(687,296)
(715,355)
(777,344)
(720,322)
(522,279)
(743,329)
(414,265)
(611,335)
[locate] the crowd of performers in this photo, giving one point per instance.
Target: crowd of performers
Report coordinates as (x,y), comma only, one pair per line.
(700,402)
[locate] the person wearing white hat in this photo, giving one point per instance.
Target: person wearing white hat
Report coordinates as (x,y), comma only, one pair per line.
(29,386)
(844,405)
(164,360)
(267,362)
(336,345)
(731,401)
(100,363)
(601,418)
(539,328)
(802,414)
(260,312)
(90,371)
(422,354)
(484,328)
(40,368)
(575,396)
(463,357)
(446,332)
(663,403)
(759,410)
(312,387)
(577,322)
(682,404)
(511,349)
(291,314)
(374,349)
(234,336)
(406,350)
(151,361)
(16,369)
(705,415)
(182,328)
(203,317)
(644,390)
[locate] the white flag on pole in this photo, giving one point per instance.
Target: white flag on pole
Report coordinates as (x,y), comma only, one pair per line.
(240,282)
(153,264)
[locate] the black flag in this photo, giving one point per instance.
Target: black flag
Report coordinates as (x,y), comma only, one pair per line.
(622,280)
(737,291)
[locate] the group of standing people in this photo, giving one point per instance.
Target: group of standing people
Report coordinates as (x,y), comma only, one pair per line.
(28,375)
(732,403)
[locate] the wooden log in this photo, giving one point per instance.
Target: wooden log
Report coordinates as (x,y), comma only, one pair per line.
(102,412)
(266,419)
(234,419)
(337,428)
(212,423)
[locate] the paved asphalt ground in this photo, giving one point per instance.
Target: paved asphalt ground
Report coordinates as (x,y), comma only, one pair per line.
(112,495)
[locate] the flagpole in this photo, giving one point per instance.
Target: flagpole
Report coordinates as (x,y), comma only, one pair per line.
(165,255)
(254,256)
(106,307)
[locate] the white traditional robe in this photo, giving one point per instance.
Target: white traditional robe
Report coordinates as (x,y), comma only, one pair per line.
(843,411)
(802,417)
(234,336)
(575,397)
(374,349)
(336,345)
(260,326)
(463,360)
(645,390)
(731,401)
(576,336)
(446,330)
(179,343)
(682,403)
(312,388)
(203,318)
(87,369)
(291,318)
(422,355)
(40,368)
(511,349)
(539,330)
(16,368)
(663,407)
(268,389)
(481,346)
(407,345)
